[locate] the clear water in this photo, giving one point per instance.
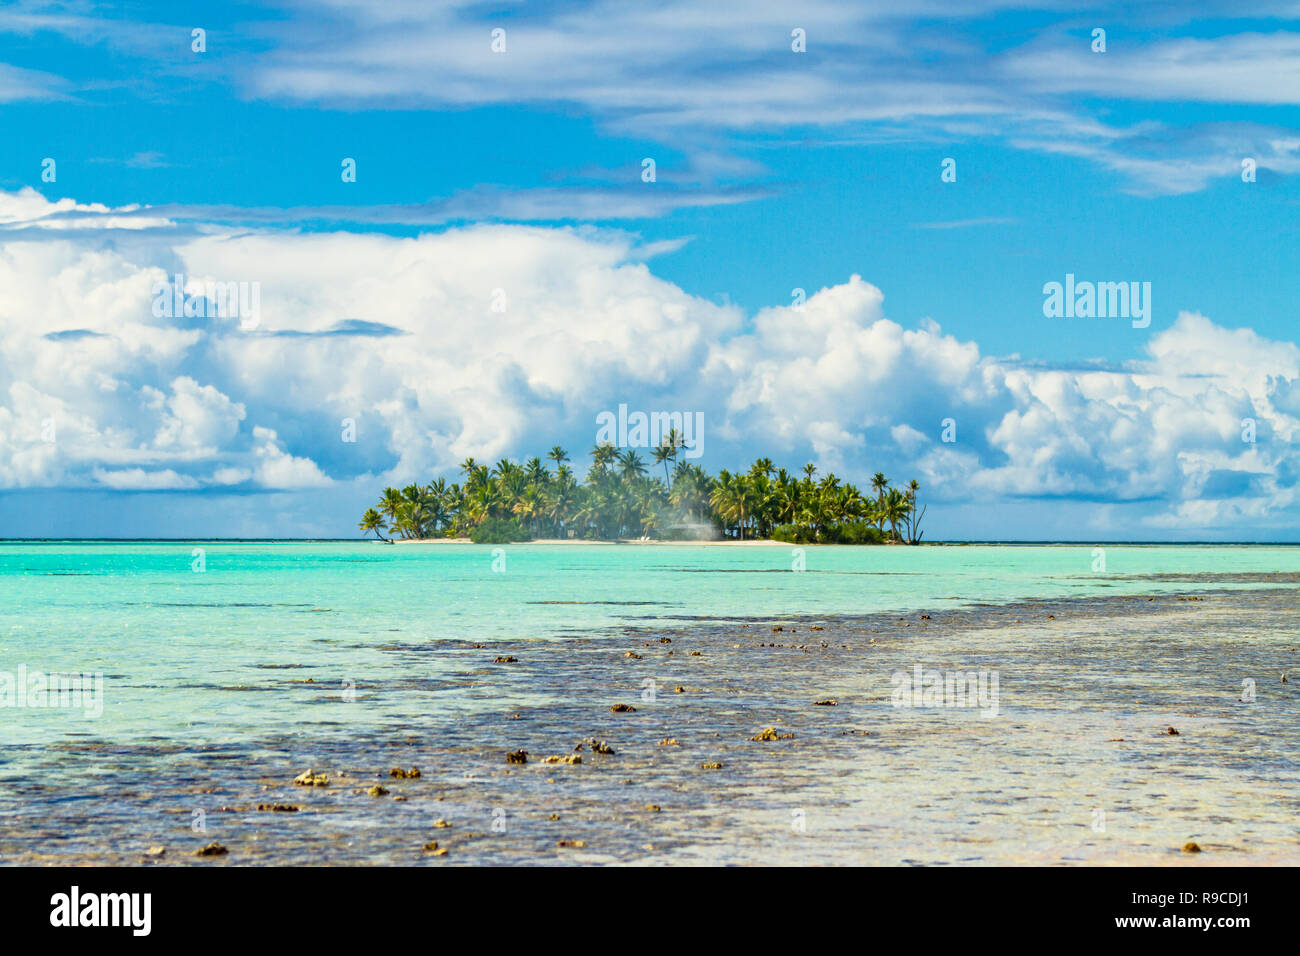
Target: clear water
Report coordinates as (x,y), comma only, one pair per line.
(172,642)
(221,685)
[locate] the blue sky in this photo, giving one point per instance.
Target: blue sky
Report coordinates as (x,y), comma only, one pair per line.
(775,170)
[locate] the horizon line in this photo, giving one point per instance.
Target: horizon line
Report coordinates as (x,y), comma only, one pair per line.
(953,542)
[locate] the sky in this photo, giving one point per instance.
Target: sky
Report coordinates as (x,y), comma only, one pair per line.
(829,228)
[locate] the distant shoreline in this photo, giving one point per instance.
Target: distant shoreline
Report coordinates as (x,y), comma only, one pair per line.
(749,542)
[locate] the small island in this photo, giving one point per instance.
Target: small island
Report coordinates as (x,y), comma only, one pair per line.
(624,498)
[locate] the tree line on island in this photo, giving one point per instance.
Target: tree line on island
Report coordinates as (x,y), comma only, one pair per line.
(623,496)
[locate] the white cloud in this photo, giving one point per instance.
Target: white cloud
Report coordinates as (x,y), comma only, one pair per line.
(28,209)
(1238,68)
(20,84)
(682,73)
(137,479)
(199,419)
(276,468)
(704,79)
(494,340)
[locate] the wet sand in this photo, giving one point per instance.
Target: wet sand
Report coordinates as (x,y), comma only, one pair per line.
(1078,767)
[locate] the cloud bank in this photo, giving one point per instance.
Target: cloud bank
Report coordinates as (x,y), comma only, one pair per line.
(498,339)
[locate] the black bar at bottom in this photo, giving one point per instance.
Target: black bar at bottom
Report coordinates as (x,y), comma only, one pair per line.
(335,905)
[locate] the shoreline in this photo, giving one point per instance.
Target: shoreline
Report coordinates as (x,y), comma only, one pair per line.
(923,544)
(569,542)
(1089,688)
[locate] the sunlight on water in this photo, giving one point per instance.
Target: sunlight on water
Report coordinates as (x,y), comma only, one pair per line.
(229,668)
(173,642)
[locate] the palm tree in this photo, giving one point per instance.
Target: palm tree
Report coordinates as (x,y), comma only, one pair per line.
(372,520)
(786,498)
(896,507)
(630,464)
(483,502)
(851,504)
(530,506)
(878,484)
(536,471)
(619,498)
(730,500)
(691,489)
(671,444)
(601,455)
(762,498)
(563,500)
(470,469)
(663,454)
(415,509)
(913,516)
(390,503)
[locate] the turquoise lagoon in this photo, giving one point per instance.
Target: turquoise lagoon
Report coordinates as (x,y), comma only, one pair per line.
(173,641)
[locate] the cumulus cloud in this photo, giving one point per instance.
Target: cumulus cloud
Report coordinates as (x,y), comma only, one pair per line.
(492,340)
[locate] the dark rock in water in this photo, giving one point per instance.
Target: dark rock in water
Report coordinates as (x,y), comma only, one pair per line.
(711,766)
(633,654)
(665,640)
(679,689)
(575,844)
(770,733)
(1190,847)
(432,848)
(599,746)
(377,791)
(310,778)
(653,807)
(669,742)
(828,702)
(278,807)
(622,709)
(568,758)
(1171,732)
(401,774)
(507,659)
(517,756)
(212,849)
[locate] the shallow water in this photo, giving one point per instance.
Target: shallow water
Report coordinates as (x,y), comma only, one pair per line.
(220,686)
